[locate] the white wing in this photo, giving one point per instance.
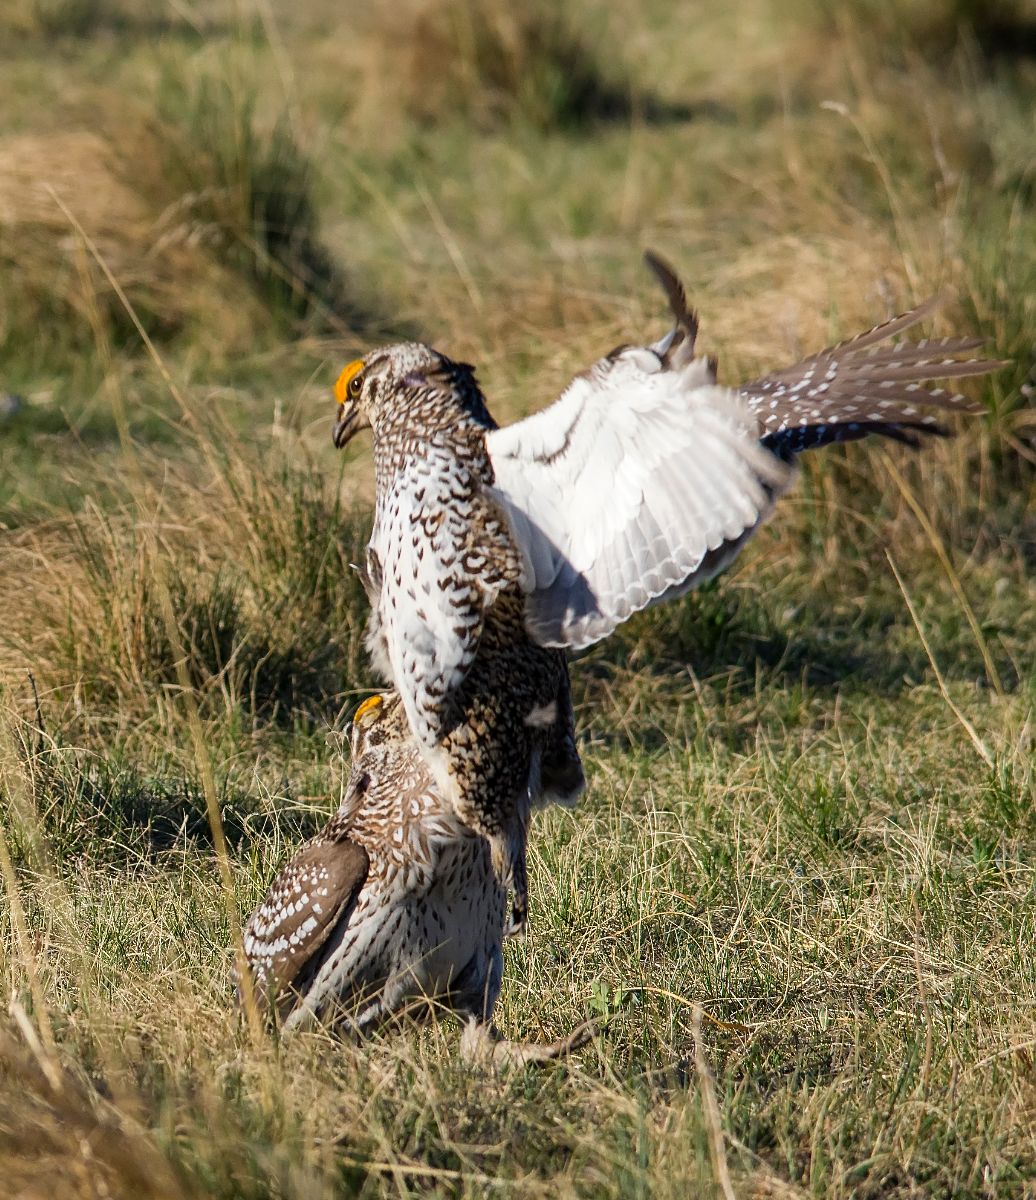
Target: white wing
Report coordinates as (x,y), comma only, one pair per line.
(643,480)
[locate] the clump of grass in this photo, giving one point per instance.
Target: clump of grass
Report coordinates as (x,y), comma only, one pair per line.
(55,1114)
(248,601)
(243,186)
(204,218)
(55,301)
(223,643)
(492,63)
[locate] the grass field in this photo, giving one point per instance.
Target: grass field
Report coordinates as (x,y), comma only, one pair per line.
(801,886)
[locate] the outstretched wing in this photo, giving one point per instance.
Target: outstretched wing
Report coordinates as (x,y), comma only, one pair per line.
(864,386)
(641,481)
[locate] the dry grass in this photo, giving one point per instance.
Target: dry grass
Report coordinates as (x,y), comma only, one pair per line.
(65,1140)
(53,284)
(201,208)
(492,63)
(811,786)
(255,563)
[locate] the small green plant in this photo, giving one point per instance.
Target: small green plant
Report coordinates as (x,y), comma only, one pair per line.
(607,1001)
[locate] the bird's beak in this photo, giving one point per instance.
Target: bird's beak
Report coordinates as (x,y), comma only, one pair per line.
(350,422)
(350,418)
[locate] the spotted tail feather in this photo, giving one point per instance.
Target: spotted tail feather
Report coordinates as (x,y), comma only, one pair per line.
(866,385)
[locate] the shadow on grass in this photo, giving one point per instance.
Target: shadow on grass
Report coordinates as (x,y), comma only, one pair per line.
(493,63)
(722,631)
(130,20)
(112,813)
(750,648)
(1011,40)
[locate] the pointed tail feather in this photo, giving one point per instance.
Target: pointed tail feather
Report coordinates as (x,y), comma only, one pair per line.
(862,387)
(678,346)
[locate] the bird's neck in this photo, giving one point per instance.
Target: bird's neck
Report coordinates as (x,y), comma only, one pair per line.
(424,431)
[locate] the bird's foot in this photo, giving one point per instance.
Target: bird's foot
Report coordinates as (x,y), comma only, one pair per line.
(481,1043)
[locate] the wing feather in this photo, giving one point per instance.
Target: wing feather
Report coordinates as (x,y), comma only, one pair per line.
(307,901)
(866,385)
(619,492)
(645,479)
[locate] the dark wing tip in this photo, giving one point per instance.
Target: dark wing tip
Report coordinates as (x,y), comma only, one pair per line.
(670,282)
(685,317)
(665,274)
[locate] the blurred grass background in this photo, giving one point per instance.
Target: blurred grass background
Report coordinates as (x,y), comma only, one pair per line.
(810,809)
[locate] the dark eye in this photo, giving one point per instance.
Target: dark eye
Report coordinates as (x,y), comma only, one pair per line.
(355,386)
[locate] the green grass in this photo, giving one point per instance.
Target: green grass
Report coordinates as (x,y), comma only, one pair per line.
(802,815)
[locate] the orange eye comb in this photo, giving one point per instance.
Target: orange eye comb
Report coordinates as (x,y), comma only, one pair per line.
(350,373)
(369,705)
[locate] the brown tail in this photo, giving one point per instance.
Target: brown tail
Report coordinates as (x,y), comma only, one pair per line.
(862,386)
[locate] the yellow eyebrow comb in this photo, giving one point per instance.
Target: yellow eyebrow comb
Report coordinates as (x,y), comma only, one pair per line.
(347,375)
(371,703)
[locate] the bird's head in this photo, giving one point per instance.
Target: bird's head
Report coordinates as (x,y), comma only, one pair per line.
(379,719)
(405,382)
